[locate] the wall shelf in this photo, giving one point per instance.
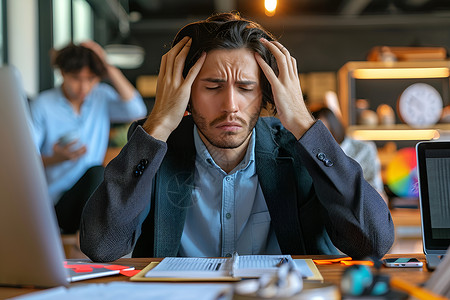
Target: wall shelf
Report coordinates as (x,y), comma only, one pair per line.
(398,132)
(382,83)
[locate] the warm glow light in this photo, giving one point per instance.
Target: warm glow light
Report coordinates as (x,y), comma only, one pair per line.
(401,73)
(395,135)
(271,6)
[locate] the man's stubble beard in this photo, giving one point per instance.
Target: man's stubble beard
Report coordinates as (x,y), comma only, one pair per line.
(225,140)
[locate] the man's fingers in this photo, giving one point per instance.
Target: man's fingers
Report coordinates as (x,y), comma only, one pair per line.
(79,152)
(281,55)
(180,60)
(173,53)
(193,72)
(281,48)
(267,70)
(287,56)
(162,71)
(69,145)
(294,66)
(97,49)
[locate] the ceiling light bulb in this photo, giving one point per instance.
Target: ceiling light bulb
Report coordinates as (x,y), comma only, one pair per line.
(271,6)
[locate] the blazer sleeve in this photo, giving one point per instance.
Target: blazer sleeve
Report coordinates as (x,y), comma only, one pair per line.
(356,217)
(112,218)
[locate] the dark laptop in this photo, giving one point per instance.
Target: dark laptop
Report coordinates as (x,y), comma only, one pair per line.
(433,167)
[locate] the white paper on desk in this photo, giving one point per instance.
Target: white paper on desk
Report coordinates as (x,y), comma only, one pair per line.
(189,267)
(130,290)
(249,266)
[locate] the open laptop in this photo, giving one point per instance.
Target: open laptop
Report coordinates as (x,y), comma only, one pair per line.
(433,166)
(31,252)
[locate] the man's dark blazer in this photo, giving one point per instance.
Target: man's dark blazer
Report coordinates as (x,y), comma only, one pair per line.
(316,196)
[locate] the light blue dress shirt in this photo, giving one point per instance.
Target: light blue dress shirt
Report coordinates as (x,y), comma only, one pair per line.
(53,117)
(229,212)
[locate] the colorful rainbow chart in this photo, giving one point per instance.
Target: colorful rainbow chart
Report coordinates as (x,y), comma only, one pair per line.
(401,173)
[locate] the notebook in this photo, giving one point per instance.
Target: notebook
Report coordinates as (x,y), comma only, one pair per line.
(31,251)
(433,167)
(225,269)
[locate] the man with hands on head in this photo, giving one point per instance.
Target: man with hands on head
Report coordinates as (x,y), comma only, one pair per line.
(224,179)
(71,125)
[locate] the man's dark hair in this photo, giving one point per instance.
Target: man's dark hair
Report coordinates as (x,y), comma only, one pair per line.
(229,31)
(72,58)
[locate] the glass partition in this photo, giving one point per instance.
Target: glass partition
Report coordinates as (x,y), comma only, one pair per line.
(72,22)
(83,25)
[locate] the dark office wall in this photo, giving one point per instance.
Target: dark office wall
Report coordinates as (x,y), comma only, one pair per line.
(318,43)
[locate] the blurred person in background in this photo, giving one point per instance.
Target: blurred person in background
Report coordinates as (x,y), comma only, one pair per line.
(72,122)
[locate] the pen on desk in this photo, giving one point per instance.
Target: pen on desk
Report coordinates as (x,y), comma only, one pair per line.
(282,261)
(413,290)
(234,263)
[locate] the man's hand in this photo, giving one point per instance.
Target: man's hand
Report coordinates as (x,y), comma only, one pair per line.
(62,153)
(97,50)
(125,89)
(286,90)
(172,91)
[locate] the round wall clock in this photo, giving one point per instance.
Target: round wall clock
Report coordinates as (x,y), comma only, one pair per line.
(420,105)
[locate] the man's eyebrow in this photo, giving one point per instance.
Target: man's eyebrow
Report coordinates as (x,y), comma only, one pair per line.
(215,80)
(246,82)
(219,80)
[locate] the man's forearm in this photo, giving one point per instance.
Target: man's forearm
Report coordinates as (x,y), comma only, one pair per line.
(123,87)
(358,220)
(112,218)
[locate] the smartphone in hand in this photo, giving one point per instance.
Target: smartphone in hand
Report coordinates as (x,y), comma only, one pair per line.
(402,262)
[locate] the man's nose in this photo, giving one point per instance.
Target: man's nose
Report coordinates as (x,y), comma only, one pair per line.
(229,102)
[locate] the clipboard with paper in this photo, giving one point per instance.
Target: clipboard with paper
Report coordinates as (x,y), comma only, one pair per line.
(222,269)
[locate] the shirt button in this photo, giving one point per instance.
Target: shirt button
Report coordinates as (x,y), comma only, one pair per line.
(228,215)
(228,178)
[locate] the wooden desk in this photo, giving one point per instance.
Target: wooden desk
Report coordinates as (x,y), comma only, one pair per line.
(331,273)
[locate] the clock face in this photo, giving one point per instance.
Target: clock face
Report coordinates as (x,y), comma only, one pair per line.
(420,105)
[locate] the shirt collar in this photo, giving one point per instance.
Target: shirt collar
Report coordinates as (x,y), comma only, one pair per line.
(203,153)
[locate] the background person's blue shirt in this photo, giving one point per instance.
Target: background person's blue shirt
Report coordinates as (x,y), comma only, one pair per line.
(53,117)
(229,212)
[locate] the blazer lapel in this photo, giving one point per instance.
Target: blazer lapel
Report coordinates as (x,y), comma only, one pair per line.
(276,175)
(174,182)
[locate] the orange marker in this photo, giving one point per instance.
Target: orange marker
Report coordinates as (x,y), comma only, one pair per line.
(413,290)
(357,262)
